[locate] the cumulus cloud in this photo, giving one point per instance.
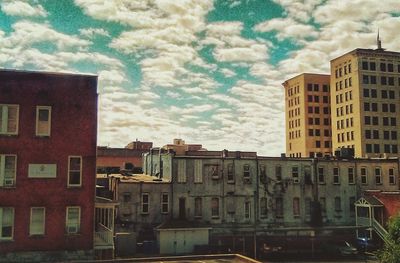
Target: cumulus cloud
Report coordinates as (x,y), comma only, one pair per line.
(22,8)
(287,28)
(93,32)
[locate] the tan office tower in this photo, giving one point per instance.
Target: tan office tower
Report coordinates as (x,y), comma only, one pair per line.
(307,110)
(365,102)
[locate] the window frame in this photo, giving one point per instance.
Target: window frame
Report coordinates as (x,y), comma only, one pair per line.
(263,207)
(336,175)
(198,207)
(4,120)
(2,238)
(215,211)
(48,133)
(378,175)
(164,203)
(364,175)
(247,210)
(391,176)
(80,170)
(68,224)
(296,207)
(3,171)
(43,214)
(145,204)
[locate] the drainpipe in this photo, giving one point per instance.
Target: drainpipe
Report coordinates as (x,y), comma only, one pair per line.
(256,194)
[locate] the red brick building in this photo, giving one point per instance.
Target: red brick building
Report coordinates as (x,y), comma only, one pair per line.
(48,131)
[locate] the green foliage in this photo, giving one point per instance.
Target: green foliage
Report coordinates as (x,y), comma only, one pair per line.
(391,251)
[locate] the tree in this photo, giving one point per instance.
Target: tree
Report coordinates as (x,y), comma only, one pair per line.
(391,250)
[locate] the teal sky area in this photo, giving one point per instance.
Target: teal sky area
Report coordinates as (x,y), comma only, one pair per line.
(209,72)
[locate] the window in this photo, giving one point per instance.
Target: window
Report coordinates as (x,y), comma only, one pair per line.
(263,207)
(214,207)
(246,171)
(383,67)
(74,170)
(392,178)
(279,207)
(230,173)
(307,207)
(73,219)
(296,207)
(316,110)
(126,197)
(325,88)
(278,172)
(8,165)
(374,93)
(322,202)
(372,66)
(263,174)
(164,203)
(364,178)
(350,175)
(365,65)
(212,171)
(181,171)
(145,203)
(43,120)
(378,178)
(247,210)
(366,92)
(336,175)
(37,224)
(338,205)
(198,172)
(6,223)
(295,174)
(9,119)
(321,176)
(198,211)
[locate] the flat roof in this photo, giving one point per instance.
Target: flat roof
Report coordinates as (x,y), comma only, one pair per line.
(43,72)
(370,50)
(134,178)
(307,73)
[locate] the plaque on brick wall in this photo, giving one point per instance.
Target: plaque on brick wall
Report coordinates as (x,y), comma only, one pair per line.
(42,170)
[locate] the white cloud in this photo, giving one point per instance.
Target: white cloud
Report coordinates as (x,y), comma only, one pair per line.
(27,33)
(92,32)
(230,46)
(287,28)
(21,8)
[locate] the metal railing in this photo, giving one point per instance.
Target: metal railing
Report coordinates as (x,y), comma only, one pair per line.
(103,236)
(379,229)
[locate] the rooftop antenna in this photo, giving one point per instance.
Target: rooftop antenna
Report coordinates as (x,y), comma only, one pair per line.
(379,42)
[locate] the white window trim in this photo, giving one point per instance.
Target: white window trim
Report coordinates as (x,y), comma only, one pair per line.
(5,120)
(198,171)
(366,176)
(68,224)
(393,175)
(37,120)
(246,169)
(181,173)
(69,170)
(297,178)
(248,205)
(163,203)
(44,221)
(1,224)
(11,182)
(337,176)
(380,175)
(142,203)
(354,178)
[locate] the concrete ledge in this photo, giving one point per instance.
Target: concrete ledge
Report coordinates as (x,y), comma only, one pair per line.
(237,258)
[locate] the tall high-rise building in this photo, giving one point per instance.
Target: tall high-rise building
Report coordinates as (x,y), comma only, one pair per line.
(307,110)
(365,102)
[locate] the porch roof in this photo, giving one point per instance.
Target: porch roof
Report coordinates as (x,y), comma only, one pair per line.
(367,201)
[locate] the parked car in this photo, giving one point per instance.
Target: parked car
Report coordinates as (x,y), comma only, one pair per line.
(343,248)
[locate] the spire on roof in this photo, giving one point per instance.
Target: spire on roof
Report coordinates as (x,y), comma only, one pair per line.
(379,42)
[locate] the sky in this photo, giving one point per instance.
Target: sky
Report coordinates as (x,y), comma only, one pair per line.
(209,72)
